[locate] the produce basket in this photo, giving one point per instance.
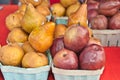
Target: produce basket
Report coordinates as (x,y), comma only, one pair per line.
(107,37)
(17,73)
(61,74)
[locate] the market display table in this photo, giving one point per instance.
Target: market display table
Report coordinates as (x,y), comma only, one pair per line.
(112,66)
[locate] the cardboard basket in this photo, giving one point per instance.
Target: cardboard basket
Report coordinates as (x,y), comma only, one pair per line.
(17,73)
(62,74)
(107,37)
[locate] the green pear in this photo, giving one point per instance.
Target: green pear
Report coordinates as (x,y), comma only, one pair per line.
(32,19)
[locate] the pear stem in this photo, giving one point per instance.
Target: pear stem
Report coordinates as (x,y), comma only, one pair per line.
(85,1)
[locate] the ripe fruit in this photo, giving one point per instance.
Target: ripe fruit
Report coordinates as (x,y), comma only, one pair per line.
(34,59)
(92,13)
(72,8)
(60,30)
(17,35)
(99,22)
(27,47)
(57,45)
(43,10)
(67,3)
(41,38)
(11,54)
(66,59)
(57,10)
(76,38)
(13,20)
(32,19)
(92,57)
(115,22)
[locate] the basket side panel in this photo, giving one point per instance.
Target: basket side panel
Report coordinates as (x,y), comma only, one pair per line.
(113,39)
(102,38)
(108,37)
(19,76)
(64,77)
(118,39)
(61,21)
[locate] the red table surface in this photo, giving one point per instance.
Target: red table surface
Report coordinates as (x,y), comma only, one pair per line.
(112,66)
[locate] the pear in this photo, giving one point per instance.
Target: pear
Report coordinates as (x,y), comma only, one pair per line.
(11,54)
(27,47)
(34,59)
(80,16)
(72,8)
(60,30)
(17,35)
(13,20)
(58,10)
(43,10)
(67,3)
(32,19)
(41,38)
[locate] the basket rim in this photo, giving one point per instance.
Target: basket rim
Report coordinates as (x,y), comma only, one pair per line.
(76,72)
(14,69)
(106,31)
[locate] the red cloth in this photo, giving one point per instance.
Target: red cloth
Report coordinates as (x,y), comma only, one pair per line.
(112,66)
(7,9)
(54,1)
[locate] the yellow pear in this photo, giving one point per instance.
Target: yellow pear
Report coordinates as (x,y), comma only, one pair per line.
(34,59)
(57,10)
(72,8)
(11,54)
(60,30)
(13,20)
(43,10)
(32,19)
(80,16)
(17,35)
(27,47)
(67,3)
(41,38)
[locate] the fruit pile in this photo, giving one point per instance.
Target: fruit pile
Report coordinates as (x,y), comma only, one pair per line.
(76,48)
(30,35)
(104,14)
